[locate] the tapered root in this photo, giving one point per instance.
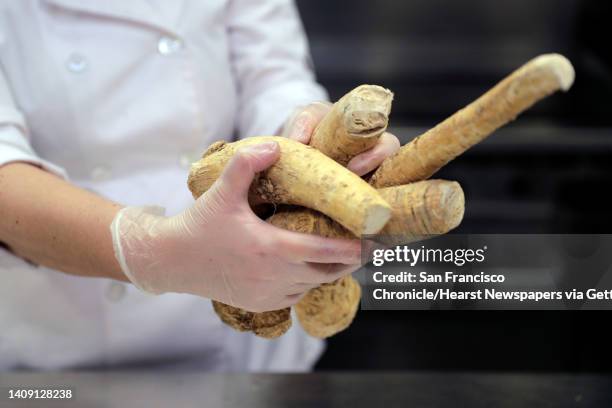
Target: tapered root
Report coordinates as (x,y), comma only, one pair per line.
(301,176)
(425,155)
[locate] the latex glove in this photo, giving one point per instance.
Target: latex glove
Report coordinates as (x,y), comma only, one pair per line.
(302,123)
(220,249)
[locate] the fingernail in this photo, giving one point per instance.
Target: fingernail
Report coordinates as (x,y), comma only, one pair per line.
(300,127)
(262,148)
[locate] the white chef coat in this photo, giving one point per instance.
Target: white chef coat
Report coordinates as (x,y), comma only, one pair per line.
(119,96)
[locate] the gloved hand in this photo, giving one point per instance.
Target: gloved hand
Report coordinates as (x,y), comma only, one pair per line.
(302,123)
(220,249)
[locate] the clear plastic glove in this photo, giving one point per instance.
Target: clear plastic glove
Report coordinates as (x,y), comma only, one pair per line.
(220,249)
(302,123)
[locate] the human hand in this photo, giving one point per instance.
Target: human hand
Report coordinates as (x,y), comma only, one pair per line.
(303,122)
(220,249)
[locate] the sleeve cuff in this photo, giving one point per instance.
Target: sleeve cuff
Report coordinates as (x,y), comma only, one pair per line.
(267,114)
(15,148)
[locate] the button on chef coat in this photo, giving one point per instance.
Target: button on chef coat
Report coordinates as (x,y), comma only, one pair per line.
(168,45)
(117,96)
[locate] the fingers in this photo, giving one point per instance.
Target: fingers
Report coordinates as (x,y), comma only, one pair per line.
(304,121)
(367,161)
(311,275)
(236,179)
(299,247)
(293,299)
(288,301)
(303,286)
(318,274)
(278,301)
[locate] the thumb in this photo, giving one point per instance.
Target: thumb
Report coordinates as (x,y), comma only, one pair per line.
(236,179)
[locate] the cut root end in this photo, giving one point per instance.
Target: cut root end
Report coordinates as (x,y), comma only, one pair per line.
(451,206)
(375,219)
(366,124)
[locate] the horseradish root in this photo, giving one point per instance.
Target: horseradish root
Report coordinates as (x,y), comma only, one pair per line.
(268,324)
(354,123)
(419,210)
(301,176)
(426,154)
(330,308)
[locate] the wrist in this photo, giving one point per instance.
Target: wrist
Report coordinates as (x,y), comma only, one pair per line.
(136,240)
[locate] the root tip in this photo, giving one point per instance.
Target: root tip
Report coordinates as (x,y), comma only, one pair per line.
(561,67)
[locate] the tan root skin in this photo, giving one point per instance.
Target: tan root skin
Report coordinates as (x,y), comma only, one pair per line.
(268,325)
(330,308)
(354,123)
(422,209)
(425,155)
(302,176)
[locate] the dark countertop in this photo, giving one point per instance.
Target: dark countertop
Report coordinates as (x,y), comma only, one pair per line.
(357,389)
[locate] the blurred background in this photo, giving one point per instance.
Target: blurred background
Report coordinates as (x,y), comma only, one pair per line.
(547,172)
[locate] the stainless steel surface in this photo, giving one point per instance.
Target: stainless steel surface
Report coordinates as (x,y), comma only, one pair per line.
(172,389)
